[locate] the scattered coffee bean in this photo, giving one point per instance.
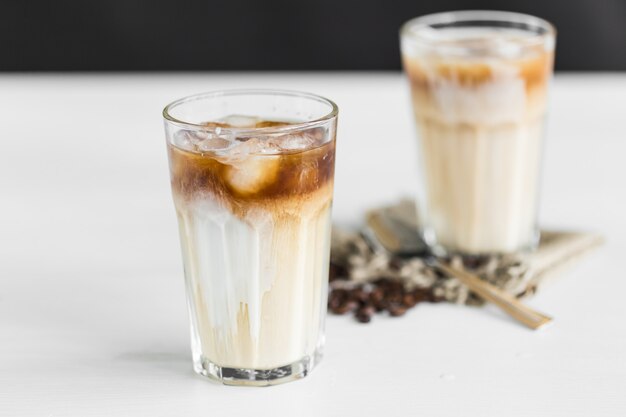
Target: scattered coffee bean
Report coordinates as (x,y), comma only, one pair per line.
(364,314)
(360,295)
(365,300)
(421,295)
(408,300)
(376,296)
(346,307)
(432,298)
(337,272)
(396,310)
(336,299)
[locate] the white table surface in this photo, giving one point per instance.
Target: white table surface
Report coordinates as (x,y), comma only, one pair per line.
(92,309)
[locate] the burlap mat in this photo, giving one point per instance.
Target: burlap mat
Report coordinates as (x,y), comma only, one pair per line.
(359,257)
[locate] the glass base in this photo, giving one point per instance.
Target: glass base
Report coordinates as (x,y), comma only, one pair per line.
(259,377)
(439,250)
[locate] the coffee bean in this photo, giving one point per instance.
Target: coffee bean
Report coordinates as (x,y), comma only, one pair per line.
(421,295)
(432,298)
(394,296)
(333,301)
(360,295)
(346,307)
(395,286)
(396,310)
(376,295)
(337,272)
(379,306)
(408,300)
(364,314)
(336,299)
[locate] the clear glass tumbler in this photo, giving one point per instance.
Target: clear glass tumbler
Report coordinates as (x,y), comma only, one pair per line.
(479,83)
(252,180)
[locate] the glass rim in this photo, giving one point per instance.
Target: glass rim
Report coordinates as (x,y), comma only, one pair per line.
(408,28)
(332,114)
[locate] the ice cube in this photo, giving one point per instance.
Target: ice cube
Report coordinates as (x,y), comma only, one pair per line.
(213,144)
(187,139)
(252,173)
(294,142)
(238,120)
(244,147)
(200,141)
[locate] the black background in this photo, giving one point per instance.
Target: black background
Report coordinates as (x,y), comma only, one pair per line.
(269,35)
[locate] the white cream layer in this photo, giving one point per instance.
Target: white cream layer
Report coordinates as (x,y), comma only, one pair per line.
(258,285)
(481,184)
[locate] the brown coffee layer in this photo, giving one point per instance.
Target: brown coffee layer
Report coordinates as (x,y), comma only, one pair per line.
(252,178)
(425,72)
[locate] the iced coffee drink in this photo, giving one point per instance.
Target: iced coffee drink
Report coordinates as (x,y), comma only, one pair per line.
(479,82)
(252,179)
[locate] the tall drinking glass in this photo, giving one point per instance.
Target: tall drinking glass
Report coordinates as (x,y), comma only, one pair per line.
(252,180)
(479,82)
